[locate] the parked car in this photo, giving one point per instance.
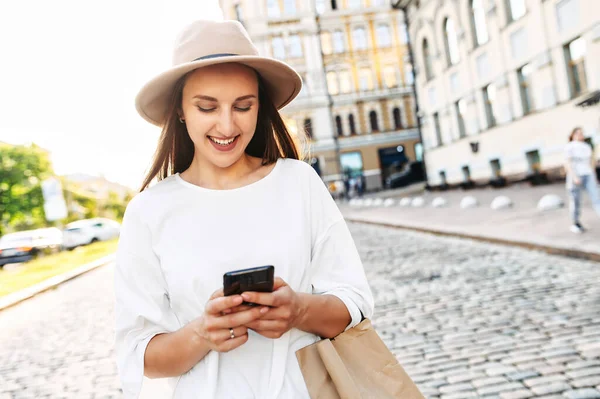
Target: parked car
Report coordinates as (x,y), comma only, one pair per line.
(83,232)
(411,174)
(26,245)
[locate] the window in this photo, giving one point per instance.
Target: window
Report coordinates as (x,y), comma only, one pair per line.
(338,126)
(289,7)
(366,79)
(568,15)
(452,54)
(427,59)
(273,8)
(461,111)
(397,118)
(409,77)
(378,3)
(345,82)
(478,21)
(338,41)
(443,180)
(354,3)
(389,76)
(359,37)
(575,55)
(489,97)
(403,34)
(524,75)
(326,42)
(496,168)
(333,4)
(351,124)
(304,91)
(295,46)
(374,122)
(278,48)
(533,161)
(384,38)
(466,174)
(419,152)
(437,128)
(320,6)
(308,128)
(332,83)
(516,9)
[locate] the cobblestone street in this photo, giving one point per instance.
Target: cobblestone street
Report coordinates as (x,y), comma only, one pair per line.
(466,320)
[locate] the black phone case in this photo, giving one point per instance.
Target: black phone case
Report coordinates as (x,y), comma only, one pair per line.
(257,279)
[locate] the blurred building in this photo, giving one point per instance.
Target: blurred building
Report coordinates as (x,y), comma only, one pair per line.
(352,55)
(499,81)
(97,187)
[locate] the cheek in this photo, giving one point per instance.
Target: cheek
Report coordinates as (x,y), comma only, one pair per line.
(247,123)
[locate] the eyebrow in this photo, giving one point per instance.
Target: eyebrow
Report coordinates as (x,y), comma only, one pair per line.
(207,98)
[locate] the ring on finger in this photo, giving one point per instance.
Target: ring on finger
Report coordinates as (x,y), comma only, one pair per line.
(231,334)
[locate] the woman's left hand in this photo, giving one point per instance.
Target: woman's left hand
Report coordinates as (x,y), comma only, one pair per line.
(287,310)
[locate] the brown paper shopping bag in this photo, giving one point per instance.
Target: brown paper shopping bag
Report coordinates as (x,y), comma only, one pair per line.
(354,365)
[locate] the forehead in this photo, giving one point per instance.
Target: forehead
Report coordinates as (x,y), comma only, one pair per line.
(222,77)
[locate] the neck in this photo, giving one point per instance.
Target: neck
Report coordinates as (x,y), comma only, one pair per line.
(208,175)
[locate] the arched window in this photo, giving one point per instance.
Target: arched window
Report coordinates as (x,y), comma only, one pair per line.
(289,7)
(384,38)
(352,125)
(478,21)
(359,37)
(374,122)
(365,79)
(451,41)
(338,126)
(338,42)
(397,118)
(427,59)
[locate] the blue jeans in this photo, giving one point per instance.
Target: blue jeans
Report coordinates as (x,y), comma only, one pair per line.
(588,183)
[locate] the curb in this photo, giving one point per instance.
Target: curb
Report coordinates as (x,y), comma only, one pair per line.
(29,292)
(571,253)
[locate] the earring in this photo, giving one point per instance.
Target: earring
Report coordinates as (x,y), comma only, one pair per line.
(181,120)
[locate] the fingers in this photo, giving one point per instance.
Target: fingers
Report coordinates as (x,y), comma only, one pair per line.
(278,283)
(218,293)
(237,319)
(218,304)
(231,344)
(267,325)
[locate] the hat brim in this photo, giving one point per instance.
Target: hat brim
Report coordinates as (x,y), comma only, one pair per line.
(282,83)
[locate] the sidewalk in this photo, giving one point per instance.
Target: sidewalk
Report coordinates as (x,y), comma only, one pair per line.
(523,225)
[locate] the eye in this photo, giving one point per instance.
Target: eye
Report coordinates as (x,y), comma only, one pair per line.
(207,110)
(243,109)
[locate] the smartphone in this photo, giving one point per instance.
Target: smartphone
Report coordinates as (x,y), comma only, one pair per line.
(256,279)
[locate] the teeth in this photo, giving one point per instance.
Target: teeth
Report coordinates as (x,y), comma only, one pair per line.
(222,142)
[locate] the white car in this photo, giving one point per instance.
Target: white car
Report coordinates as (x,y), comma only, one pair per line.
(83,232)
(26,245)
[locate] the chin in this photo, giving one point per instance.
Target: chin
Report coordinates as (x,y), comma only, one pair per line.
(225,161)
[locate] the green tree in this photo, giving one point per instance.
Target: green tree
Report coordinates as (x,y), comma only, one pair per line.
(22,169)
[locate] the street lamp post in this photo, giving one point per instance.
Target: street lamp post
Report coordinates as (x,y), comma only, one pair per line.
(396,5)
(329,97)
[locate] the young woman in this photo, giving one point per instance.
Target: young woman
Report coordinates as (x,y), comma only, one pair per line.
(231,194)
(581,175)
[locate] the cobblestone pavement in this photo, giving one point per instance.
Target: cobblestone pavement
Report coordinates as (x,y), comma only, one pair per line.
(466,320)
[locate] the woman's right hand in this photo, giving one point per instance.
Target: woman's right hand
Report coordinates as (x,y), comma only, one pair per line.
(215,324)
(577,180)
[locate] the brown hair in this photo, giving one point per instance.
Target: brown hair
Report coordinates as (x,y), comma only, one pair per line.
(175,150)
(573,133)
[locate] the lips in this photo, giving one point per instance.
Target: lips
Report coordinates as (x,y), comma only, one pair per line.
(223,145)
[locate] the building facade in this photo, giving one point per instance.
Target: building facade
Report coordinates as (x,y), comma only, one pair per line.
(498,83)
(357,97)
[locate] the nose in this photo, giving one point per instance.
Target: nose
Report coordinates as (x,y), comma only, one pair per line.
(225,124)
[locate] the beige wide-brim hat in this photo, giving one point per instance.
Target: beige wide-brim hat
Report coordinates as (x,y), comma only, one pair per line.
(205,43)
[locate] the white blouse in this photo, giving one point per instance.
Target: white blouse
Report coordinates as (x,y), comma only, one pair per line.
(178,239)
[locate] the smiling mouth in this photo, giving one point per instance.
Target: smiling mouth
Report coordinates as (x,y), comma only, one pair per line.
(223,142)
